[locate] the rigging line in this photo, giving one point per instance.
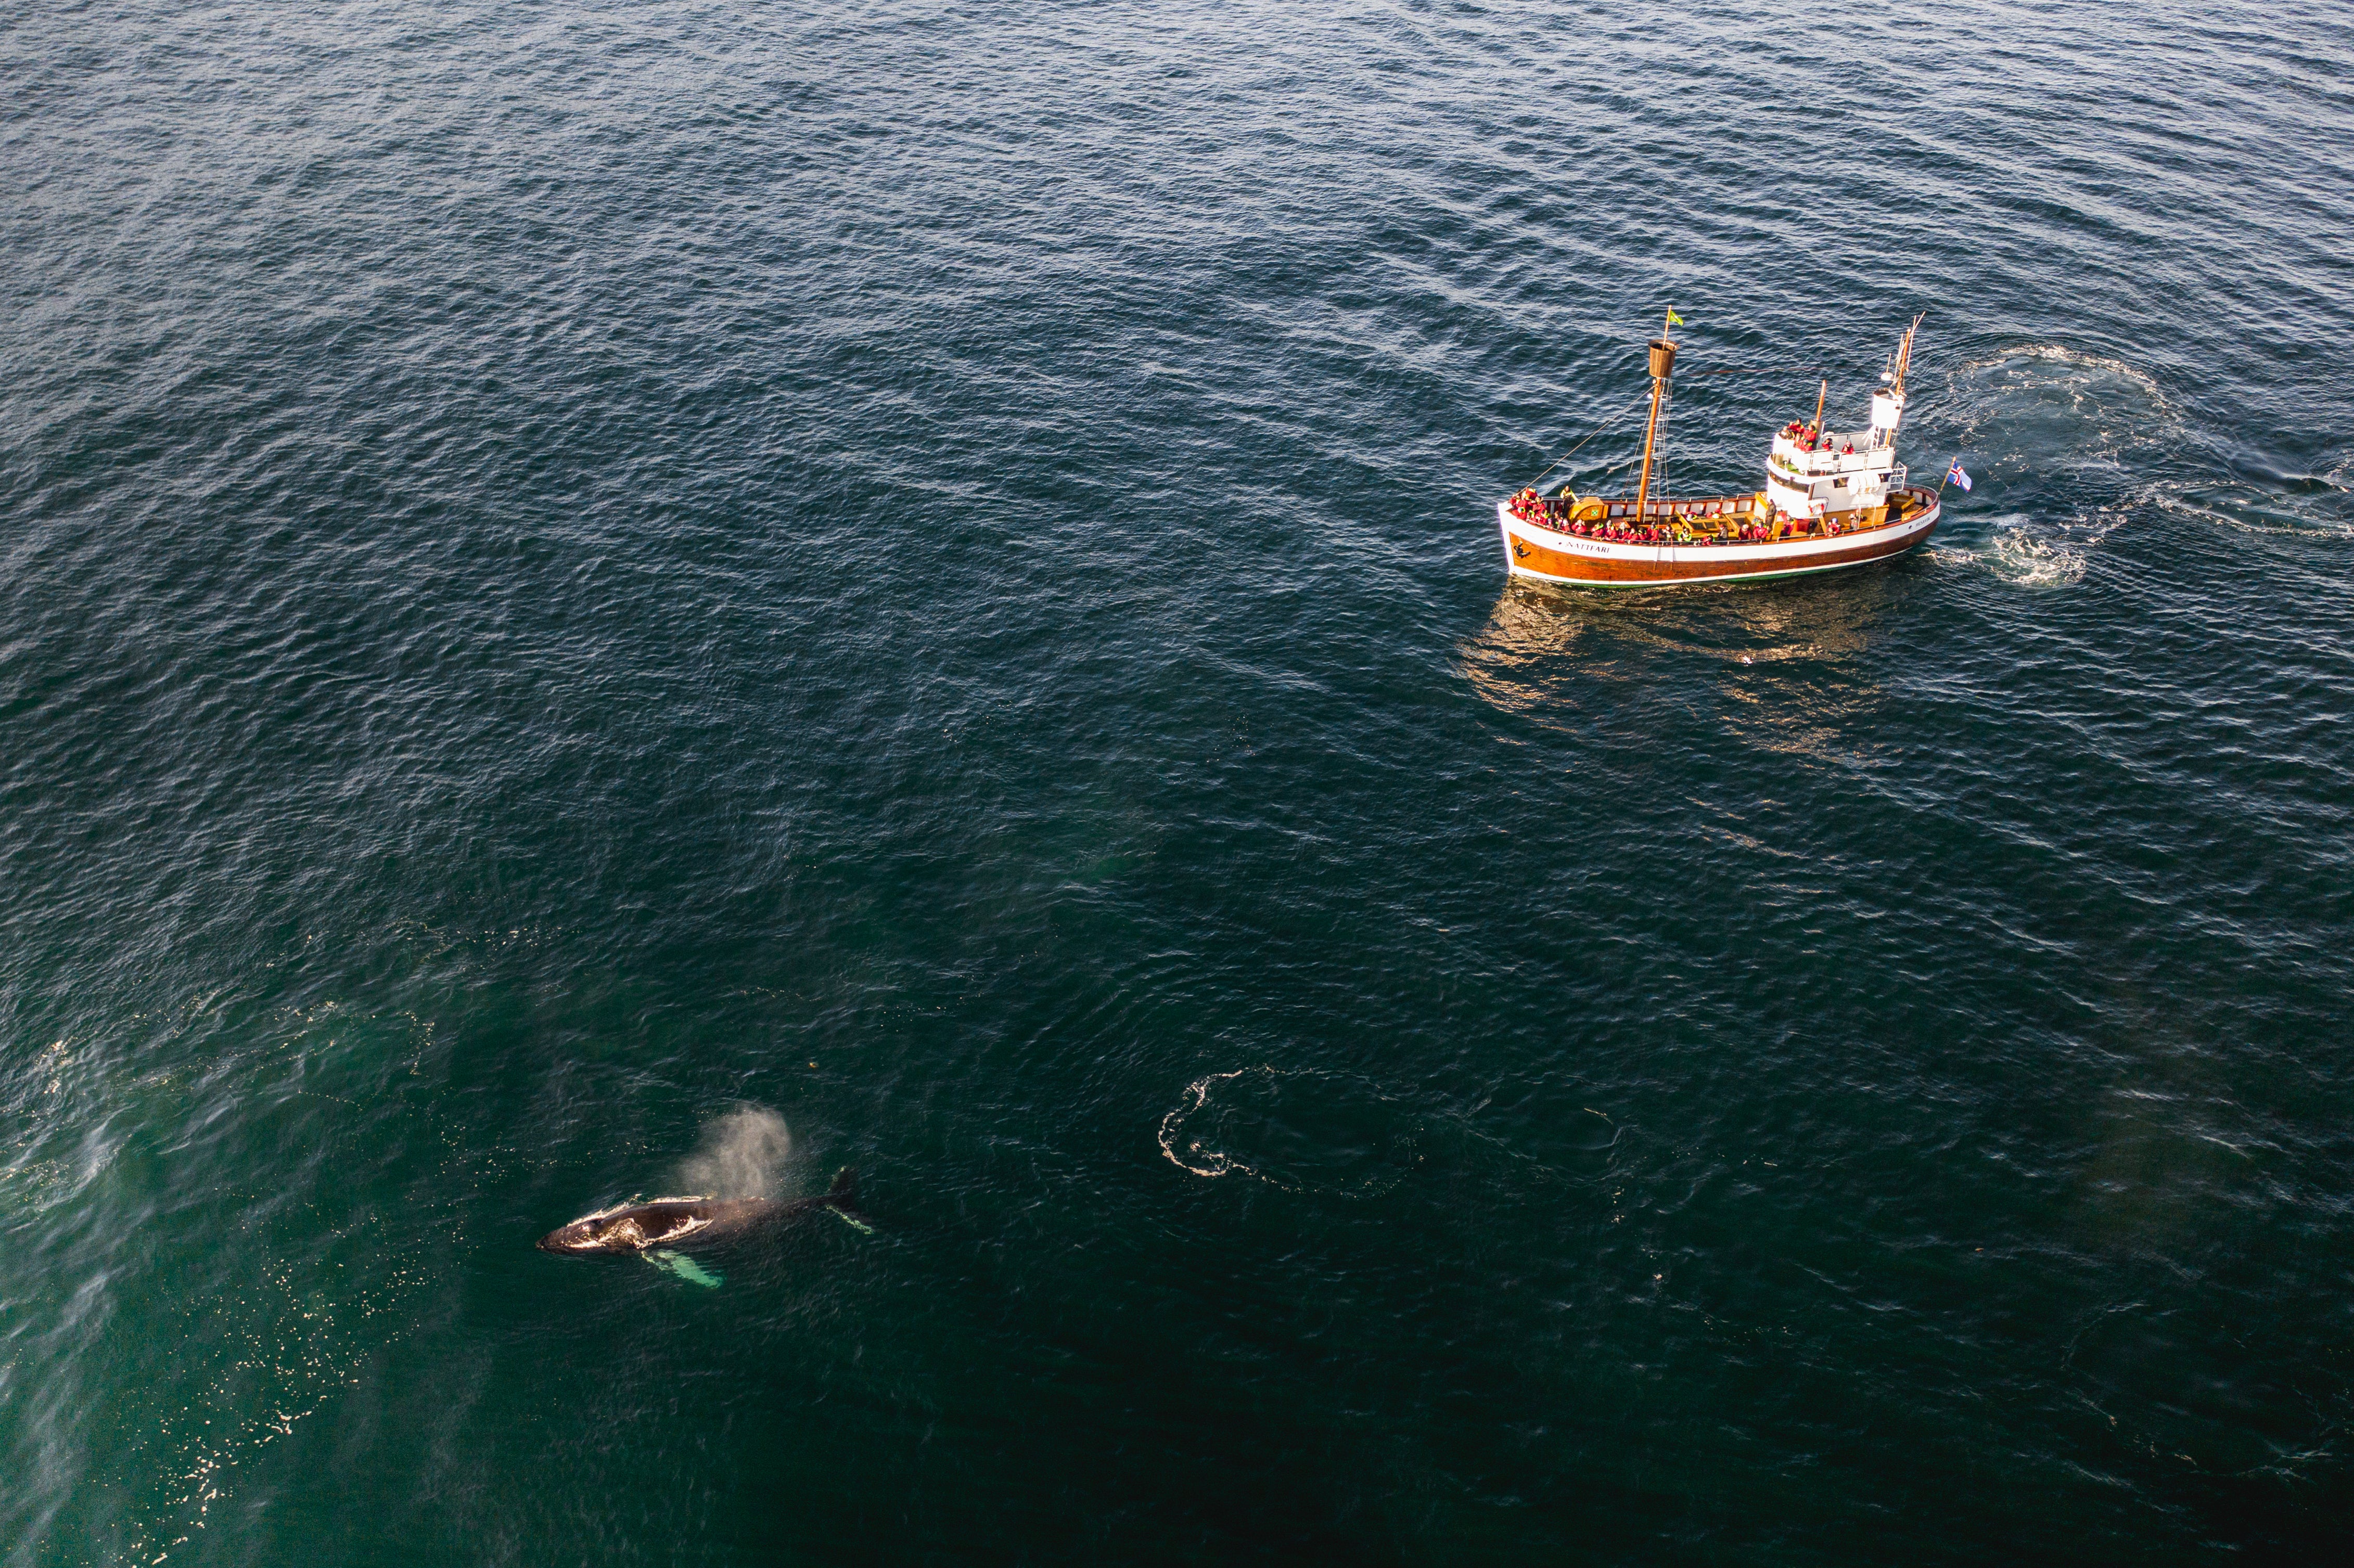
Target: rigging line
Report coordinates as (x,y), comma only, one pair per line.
(1762,370)
(1581,446)
(1660,440)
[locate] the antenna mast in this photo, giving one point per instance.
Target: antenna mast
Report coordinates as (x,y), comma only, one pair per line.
(1904,354)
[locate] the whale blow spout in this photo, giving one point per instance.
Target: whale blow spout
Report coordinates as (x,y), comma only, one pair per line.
(673,1222)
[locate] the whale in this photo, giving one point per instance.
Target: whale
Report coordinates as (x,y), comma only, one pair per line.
(670,1223)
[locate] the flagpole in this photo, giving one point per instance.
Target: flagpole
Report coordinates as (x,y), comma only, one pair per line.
(1949,475)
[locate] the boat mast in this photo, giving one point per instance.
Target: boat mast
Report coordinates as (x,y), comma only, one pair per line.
(1904,355)
(1826,392)
(1663,360)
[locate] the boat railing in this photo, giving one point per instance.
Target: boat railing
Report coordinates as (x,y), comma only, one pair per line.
(1706,514)
(1826,459)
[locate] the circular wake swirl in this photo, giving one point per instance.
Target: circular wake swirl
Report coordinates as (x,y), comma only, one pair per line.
(1299,1129)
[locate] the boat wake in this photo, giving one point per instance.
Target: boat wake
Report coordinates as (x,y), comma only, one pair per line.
(2031,560)
(2027,554)
(2321,508)
(2043,404)
(2042,418)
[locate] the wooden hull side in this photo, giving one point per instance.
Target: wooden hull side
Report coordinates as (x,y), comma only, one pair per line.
(1533,550)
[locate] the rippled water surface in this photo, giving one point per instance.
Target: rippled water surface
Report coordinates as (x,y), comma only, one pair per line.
(599,599)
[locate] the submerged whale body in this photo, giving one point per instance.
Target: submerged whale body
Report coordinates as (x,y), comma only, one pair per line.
(671,1223)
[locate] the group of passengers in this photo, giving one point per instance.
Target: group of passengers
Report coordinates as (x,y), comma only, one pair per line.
(1675,530)
(1809,439)
(1559,514)
(1746,528)
(1678,531)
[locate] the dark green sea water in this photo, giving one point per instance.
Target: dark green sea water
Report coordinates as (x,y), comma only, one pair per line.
(579,579)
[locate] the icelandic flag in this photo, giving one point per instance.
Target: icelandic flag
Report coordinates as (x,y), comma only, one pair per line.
(1957,476)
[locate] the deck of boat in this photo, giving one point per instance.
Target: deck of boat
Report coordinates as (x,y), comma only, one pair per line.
(1544,546)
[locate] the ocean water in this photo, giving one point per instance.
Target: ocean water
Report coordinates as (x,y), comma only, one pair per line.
(600,598)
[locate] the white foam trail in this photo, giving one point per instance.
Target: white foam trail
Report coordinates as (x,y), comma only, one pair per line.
(2074,357)
(2019,556)
(1173,1127)
(2041,410)
(2248,511)
(1190,1153)
(742,1155)
(2025,556)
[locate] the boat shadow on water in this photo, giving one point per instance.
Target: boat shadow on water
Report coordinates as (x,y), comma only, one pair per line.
(1551,654)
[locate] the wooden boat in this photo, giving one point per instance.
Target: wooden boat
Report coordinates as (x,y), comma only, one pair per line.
(1831,499)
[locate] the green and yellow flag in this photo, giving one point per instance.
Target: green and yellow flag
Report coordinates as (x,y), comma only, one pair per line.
(1673,319)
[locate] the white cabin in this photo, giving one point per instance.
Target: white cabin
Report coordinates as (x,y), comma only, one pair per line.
(1845,471)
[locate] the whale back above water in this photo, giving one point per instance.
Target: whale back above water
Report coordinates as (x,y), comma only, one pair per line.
(671,1223)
